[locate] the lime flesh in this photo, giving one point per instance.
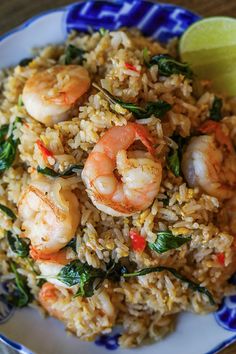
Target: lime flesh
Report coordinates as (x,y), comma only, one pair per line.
(209,46)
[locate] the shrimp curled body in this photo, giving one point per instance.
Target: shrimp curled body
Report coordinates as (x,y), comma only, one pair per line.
(139,173)
(49,95)
(50,214)
(208,166)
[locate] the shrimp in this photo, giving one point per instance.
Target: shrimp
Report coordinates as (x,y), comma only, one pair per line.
(78,313)
(49,95)
(208,165)
(50,214)
(48,296)
(50,264)
(138,182)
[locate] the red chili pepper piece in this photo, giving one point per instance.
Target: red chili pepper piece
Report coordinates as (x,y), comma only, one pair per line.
(131,67)
(138,242)
(45,152)
(221,258)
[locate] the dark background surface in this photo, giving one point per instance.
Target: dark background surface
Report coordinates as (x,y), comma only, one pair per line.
(14,12)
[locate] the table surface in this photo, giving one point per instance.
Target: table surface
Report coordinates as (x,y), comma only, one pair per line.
(14,12)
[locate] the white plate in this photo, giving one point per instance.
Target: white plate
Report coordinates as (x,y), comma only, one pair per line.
(194,334)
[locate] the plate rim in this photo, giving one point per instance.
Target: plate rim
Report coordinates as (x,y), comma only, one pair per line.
(3,339)
(64,9)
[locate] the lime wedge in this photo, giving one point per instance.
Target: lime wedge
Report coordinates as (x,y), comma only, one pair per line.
(209,46)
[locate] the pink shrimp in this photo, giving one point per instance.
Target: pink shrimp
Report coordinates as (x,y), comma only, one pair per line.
(49,95)
(139,172)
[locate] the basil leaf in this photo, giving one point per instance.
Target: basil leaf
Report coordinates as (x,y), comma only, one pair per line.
(215,111)
(175,155)
(25,62)
(8,212)
(173,162)
(180,141)
(68,172)
(166,201)
(8,147)
(21,295)
(80,273)
(158,108)
(192,285)
(7,154)
(18,245)
(74,54)
(47,171)
(40,282)
(115,270)
(103,31)
(168,66)
(166,241)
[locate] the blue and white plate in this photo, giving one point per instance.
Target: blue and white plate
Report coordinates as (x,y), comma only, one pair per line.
(195,334)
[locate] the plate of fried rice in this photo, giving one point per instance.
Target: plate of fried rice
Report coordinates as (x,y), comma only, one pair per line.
(117,189)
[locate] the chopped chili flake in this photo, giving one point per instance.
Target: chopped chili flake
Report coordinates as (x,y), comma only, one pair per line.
(215,127)
(221,258)
(45,152)
(138,242)
(131,67)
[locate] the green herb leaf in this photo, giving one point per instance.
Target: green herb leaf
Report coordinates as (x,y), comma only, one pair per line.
(175,155)
(40,282)
(158,108)
(74,55)
(192,285)
(80,273)
(166,201)
(21,295)
(8,146)
(25,62)
(115,270)
(7,154)
(215,111)
(103,31)
(18,245)
(173,162)
(73,169)
(8,212)
(168,66)
(146,57)
(166,241)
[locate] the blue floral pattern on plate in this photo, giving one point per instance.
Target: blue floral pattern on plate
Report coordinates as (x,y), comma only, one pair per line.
(160,21)
(226,314)
(109,341)
(6,310)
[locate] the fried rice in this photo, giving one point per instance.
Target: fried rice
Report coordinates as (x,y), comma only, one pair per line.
(145,306)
